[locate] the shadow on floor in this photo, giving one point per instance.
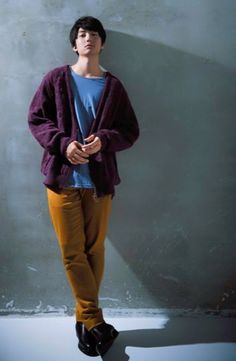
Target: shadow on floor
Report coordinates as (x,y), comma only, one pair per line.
(176,332)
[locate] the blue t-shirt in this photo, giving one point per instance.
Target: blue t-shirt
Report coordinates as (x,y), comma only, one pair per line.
(87,93)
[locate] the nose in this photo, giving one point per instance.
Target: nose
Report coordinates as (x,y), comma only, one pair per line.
(88,36)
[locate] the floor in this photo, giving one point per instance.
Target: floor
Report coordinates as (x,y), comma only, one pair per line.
(141,339)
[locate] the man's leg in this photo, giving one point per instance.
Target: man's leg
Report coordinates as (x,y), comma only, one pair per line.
(96,216)
(67,216)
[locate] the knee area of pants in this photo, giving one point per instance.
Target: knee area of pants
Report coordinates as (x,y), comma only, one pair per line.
(95,251)
(76,258)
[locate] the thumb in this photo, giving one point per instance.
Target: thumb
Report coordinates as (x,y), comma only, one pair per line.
(78,145)
(90,138)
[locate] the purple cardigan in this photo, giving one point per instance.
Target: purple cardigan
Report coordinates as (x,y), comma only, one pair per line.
(52,121)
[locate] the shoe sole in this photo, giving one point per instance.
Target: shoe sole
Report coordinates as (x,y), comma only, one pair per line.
(103,348)
(87,351)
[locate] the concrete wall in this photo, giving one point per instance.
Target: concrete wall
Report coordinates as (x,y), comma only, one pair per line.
(171,242)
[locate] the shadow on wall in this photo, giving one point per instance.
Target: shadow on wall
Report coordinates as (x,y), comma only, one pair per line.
(177,332)
(174,213)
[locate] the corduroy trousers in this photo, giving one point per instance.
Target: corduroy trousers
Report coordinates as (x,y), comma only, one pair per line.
(80,222)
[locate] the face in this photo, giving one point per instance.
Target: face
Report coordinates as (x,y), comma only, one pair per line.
(88,42)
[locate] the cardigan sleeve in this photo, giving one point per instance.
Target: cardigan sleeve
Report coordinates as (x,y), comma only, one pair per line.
(124,130)
(42,119)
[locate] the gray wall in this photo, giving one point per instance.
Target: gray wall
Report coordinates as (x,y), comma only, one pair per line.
(171,242)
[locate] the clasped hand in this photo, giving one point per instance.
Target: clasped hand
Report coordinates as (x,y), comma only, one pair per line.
(78,153)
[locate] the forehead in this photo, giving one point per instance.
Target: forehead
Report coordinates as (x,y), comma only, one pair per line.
(81,30)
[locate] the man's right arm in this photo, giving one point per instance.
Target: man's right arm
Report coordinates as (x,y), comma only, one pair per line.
(42,120)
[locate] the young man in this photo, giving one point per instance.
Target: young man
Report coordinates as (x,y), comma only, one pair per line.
(81,116)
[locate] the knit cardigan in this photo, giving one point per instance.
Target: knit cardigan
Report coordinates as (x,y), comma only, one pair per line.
(52,121)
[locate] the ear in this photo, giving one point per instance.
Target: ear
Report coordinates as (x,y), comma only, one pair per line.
(74,49)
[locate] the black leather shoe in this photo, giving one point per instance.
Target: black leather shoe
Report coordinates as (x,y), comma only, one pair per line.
(104,334)
(87,343)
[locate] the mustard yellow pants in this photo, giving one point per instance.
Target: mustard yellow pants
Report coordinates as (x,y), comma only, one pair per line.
(80,221)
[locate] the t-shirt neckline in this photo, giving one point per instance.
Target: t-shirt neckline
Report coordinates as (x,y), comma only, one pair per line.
(84,77)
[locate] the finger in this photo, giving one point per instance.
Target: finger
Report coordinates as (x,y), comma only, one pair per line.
(92,144)
(85,148)
(91,150)
(81,162)
(81,153)
(80,157)
(92,147)
(90,138)
(78,161)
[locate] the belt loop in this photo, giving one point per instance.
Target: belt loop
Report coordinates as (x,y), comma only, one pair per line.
(95,197)
(80,195)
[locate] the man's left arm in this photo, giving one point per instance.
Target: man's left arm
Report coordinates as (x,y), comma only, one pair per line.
(122,135)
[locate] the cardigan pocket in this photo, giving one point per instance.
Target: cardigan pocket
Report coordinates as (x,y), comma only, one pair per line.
(45,163)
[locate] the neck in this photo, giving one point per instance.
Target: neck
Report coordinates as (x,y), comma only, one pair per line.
(87,67)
